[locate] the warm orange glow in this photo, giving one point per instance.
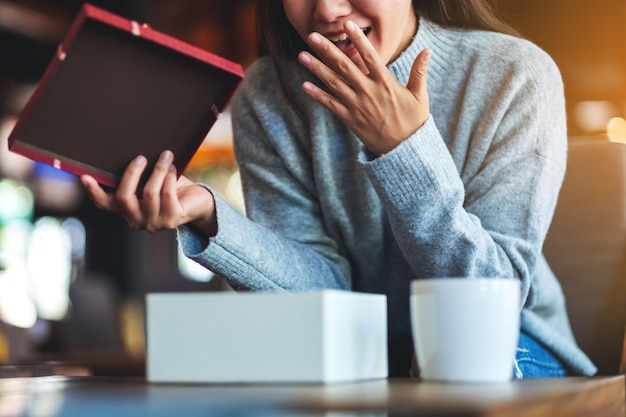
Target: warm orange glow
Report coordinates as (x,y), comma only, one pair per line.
(217,148)
(132,322)
(4,349)
(211,155)
(592,116)
(616,130)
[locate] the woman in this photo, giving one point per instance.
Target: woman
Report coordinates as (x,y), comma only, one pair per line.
(382,141)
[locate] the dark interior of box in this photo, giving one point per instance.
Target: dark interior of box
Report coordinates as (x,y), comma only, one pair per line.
(117,95)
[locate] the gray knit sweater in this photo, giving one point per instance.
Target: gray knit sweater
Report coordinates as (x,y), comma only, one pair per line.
(470,194)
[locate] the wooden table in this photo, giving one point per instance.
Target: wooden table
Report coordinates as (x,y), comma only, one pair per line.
(57,396)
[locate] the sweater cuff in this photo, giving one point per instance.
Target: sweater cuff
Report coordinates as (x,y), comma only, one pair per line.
(421,164)
(192,243)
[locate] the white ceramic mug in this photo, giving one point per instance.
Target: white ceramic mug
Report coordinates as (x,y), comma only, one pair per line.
(465,329)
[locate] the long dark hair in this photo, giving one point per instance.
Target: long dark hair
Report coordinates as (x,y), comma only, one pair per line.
(280,41)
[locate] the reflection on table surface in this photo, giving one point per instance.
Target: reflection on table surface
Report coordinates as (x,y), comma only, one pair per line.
(59,396)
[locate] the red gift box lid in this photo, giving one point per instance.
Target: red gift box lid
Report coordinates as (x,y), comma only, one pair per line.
(117,89)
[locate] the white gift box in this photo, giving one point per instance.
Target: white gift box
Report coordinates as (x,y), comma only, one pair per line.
(224,337)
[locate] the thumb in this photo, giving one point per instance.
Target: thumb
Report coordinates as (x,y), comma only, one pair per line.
(100,197)
(417,79)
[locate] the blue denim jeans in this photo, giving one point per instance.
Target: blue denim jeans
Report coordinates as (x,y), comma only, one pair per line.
(534,361)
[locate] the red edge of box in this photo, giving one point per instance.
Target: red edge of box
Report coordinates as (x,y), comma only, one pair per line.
(65,166)
(145,31)
(93,12)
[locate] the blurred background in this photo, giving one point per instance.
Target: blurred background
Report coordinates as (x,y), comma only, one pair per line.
(73,278)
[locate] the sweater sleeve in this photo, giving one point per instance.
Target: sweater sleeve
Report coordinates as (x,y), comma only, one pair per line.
(281,243)
(487,212)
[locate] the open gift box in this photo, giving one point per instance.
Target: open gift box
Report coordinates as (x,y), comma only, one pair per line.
(252,337)
(117,89)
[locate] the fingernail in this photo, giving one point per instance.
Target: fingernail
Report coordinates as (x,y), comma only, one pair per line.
(166,156)
(426,56)
(307,86)
(305,58)
(315,38)
(351,26)
(140,160)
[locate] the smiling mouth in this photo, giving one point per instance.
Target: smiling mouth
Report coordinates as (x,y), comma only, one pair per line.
(343,42)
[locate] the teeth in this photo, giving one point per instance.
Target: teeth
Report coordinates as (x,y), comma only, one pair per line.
(344,36)
(338,38)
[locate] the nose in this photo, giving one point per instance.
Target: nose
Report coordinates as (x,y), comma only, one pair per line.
(328,11)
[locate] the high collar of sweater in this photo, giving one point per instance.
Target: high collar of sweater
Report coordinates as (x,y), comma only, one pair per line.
(426,37)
